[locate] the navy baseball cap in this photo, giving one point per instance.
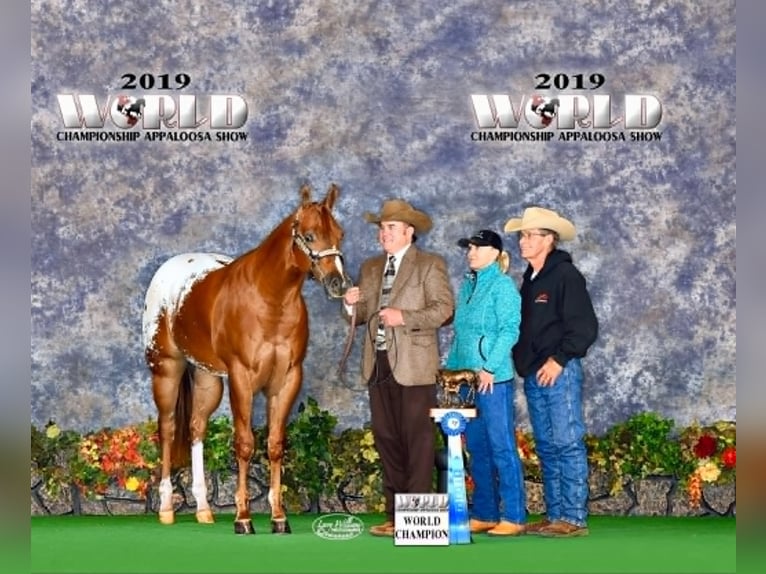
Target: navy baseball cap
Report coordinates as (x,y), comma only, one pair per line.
(481,238)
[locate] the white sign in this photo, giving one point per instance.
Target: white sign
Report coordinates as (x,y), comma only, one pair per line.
(421,520)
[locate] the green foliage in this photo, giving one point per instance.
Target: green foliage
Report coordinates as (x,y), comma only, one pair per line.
(356,467)
(219,445)
(52,452)
(309,453)
(307,460)
(639,447)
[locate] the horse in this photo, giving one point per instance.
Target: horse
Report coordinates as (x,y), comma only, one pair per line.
(208,316)
(449,386)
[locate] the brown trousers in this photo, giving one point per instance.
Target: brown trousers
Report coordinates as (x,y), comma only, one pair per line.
(403,432)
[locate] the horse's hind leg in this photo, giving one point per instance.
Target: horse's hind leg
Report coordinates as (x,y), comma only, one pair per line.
(208,390)
(166,385)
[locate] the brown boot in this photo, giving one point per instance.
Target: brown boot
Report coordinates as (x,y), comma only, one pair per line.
(478,526)
(506,528)
(535,527)
(562,529)
(385,529)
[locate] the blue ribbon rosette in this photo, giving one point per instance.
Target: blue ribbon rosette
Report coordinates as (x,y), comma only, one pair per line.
(453,423)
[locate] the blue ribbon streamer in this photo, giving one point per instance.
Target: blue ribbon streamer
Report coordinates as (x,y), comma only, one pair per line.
(453,423)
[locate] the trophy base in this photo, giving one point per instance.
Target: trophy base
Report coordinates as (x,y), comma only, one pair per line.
(438,413)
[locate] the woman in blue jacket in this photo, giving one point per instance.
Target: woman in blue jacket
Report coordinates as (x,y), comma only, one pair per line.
(486,327)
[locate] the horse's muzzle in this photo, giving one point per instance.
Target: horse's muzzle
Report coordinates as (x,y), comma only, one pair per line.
(336,285)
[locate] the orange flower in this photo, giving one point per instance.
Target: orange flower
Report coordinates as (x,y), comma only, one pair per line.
(469,484)
(694,489)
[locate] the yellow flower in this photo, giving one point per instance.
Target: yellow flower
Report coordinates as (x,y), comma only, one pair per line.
(367,439)
(370,454)
(52,431)
(709,471)
(132,484)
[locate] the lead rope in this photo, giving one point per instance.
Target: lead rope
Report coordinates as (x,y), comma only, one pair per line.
(347,346)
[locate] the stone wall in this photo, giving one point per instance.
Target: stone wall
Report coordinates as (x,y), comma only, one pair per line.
(653,496)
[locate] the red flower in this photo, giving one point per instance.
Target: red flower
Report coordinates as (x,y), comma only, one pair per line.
(705,447)
(729,457)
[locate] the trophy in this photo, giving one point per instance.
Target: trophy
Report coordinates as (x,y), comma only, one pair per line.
(456,391)
(449,385)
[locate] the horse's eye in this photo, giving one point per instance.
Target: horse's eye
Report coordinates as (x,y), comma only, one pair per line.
(310,237)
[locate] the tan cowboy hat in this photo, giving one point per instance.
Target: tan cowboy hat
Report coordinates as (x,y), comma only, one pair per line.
(400,210)
(541,218)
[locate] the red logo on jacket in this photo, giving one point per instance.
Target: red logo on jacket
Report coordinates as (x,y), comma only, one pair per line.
(541,298)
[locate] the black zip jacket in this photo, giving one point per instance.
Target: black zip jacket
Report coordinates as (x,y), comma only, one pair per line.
(557,317)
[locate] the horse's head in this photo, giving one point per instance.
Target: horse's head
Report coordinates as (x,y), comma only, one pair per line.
(318,236)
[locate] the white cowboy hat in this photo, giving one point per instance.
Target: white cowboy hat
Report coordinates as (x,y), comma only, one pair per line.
(541,218)
(400,210)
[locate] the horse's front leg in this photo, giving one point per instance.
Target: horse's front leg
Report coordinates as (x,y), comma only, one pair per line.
(279,404)
(241,399)
(208,390)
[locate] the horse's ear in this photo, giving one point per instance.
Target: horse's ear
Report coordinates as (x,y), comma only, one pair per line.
(332,195)
(305,194)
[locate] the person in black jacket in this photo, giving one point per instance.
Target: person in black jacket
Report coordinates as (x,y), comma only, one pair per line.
(558,325)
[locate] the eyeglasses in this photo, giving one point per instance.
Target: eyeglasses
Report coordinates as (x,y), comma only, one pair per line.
(529,234)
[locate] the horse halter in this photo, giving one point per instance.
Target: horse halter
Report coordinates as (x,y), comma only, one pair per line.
(314,256)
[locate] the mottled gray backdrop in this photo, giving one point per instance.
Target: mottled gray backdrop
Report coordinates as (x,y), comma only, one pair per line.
(376,97)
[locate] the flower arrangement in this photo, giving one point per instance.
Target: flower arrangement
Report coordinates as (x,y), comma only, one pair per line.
(320,461)
(124,458)
(710,453)
(647,444)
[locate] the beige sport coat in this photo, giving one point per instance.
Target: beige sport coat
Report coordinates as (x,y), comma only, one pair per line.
(422,290)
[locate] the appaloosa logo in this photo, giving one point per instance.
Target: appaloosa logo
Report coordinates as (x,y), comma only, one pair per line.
(165,117)
(571,114)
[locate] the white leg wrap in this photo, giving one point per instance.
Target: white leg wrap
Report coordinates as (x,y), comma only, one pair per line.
(166,494)
(199,489)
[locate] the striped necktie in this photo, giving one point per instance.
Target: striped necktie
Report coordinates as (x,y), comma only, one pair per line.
(385,293)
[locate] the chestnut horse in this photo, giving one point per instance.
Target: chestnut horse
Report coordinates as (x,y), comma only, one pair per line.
(245,319)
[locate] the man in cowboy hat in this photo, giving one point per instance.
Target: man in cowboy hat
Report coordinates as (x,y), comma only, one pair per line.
(558,325)
(403,296)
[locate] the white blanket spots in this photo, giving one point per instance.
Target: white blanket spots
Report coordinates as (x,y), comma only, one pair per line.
(171,283)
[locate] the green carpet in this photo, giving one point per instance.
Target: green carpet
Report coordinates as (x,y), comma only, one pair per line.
(139,544)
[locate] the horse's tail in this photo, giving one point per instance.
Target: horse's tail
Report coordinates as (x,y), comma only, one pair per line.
(180,451)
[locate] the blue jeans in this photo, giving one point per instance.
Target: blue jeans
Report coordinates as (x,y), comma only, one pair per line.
(559,431)
(494,460)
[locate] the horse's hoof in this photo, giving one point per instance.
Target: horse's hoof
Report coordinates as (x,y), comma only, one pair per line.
(244,527)
(280,527)
(205,516)
(167,516)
